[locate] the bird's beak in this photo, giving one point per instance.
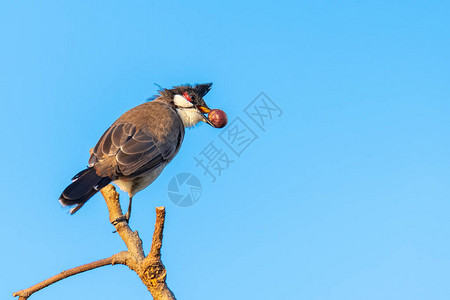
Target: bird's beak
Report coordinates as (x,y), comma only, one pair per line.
(205,110)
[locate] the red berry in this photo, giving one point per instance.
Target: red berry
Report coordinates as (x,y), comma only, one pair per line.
(218,118)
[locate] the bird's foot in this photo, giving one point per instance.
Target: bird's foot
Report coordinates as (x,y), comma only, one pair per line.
(123,218)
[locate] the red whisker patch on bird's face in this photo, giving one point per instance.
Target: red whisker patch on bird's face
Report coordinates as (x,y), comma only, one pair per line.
(188,98)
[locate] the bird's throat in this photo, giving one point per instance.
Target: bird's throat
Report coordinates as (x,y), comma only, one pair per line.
(189,116)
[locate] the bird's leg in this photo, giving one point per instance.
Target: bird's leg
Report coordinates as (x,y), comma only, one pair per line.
(128,214)
(125,217)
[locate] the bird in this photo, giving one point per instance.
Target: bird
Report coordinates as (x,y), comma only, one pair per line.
(134,150)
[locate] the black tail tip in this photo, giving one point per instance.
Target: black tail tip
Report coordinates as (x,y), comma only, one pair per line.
(85,185)
(66,202)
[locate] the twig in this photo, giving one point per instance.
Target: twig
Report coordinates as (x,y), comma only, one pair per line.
(119,258)
(155,250)
(154,275)
(150,269)
(131,239)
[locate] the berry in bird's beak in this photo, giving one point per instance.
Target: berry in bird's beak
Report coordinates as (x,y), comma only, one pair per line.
(204,111)
(218,118)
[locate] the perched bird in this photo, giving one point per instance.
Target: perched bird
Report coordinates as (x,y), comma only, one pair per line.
(136,148)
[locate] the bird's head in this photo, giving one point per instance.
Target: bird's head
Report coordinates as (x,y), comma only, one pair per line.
(189,103)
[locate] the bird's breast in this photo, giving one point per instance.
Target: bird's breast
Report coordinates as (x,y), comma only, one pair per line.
(134,185)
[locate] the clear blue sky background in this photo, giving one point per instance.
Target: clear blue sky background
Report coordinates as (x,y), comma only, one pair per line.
(345,196)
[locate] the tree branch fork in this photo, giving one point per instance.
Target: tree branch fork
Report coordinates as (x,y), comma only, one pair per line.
(150,268)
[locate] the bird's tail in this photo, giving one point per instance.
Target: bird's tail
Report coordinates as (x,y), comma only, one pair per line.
(84,185)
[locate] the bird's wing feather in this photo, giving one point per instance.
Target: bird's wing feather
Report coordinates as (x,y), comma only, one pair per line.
(135,150)
(139,151)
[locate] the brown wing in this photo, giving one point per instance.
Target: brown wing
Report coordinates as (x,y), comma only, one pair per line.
(125,150)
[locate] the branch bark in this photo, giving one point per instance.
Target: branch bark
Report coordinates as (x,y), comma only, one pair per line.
(150,268)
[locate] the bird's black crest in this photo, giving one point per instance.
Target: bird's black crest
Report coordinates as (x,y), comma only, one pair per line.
(203,89)
(200,89)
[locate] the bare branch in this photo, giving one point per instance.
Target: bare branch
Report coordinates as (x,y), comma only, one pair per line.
(119,258)
(150,269)
(131,239)
(154,275)
(155,250)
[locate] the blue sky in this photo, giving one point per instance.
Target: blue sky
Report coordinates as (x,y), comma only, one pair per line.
(343,196)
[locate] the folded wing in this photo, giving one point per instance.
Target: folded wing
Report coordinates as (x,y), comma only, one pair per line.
(124,150)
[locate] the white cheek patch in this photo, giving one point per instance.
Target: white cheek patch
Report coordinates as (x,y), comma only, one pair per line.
(181,101)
